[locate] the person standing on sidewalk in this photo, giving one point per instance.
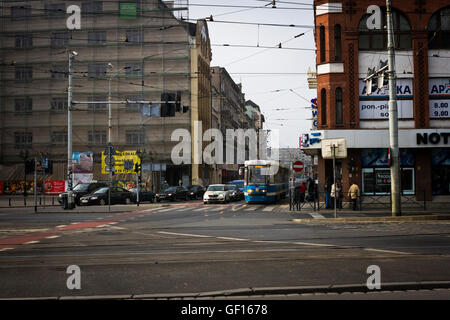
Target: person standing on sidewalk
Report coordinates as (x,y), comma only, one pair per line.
(354,193)
(336,191)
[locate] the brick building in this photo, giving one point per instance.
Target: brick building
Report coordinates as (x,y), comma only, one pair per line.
(347,47)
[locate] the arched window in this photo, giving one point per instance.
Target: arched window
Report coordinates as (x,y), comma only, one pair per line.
(337,43)
(322,43)
(323,106)
(377,39)
(439,30)
(339,112)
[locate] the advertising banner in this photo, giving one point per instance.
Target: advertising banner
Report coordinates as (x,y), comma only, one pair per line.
(124,162)
(379,109)
(83,162)
(54,186)
(404,90)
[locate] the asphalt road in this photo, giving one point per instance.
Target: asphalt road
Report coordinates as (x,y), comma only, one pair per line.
(188,248)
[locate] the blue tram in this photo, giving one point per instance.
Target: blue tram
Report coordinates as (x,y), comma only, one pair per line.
(265,181)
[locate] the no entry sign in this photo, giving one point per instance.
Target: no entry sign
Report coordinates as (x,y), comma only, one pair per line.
(298,166)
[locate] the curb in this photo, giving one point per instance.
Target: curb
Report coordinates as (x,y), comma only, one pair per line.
(433,217)
(336,289)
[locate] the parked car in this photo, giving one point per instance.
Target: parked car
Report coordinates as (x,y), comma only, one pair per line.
(100,196)
(239,183)
(235,193)
(196,192)
(82,189)
(216,193)
(172,194)
(145,194)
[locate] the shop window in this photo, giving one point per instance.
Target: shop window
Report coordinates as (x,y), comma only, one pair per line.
(440,171)
(439,30)
(377,39)
(377,181)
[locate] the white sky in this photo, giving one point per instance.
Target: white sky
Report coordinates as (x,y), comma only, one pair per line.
(269,91)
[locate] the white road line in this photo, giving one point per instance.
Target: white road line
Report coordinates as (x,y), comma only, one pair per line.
(284,206)
(31,242)
(202,209)
(269,208)
(52,237)
(164,210)
(217,209)
(61,226)
(238,207)
(101,226)
(185,234)
(386,251)
(314,244)
(4,249)
(316,215)
(251,209)
(235,239)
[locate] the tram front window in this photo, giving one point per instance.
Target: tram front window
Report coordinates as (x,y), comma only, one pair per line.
(255,176)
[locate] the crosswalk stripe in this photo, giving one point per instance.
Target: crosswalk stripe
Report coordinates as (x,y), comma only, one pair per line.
(316,215)
(251,209)
(202,209)
(217,209)
(270,208)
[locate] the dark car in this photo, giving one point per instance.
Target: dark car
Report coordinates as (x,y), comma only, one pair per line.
(144,195)
(172,194)
(235,193)
(81,190)
(100,196)
(196,192)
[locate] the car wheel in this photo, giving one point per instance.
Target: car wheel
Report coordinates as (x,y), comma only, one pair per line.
(102,202)
(205,202)
(127,200)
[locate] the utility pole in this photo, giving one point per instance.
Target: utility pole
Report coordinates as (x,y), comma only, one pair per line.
(70,203)
(393,122)
(109,142)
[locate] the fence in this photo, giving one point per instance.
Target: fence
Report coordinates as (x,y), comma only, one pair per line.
(22,202)
(317,200)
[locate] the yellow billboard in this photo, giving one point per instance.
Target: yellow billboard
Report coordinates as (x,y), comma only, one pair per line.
(123,162)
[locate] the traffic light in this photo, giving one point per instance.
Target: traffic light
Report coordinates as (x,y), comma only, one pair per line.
(137,167)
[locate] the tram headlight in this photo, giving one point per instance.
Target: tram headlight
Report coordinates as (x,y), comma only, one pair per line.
(250,191)
(264,191)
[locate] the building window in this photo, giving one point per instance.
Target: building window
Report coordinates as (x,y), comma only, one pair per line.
(133,69)
(97,37)
(59,137)
(97,107)
(59,72)
(133,107)
(24,73)
(134,137)
(91,8)
(24,41)
(439,30)
(60,39)
(59,104)
(23,140)
(20,12)
(323,106)
(377,39)
(339,112)
(55,10)
(97,70)
(97,137)
(23,105)
(440,171)
(337,43)
(134,36)
(322,43)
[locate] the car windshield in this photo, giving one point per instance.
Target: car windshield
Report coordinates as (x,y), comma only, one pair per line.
(216,188)
(230,187)
(102,190)
(171,189)
(192,188)
(81,187)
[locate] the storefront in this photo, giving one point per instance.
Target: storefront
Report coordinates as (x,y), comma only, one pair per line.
(440,171)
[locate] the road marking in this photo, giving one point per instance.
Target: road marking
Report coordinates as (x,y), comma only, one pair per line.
(62,226)
(101,226)
(316,215)
(251,209)
(52,237)
(183,209)
(270,208)
(314,244)
(238,207)
(235,239)
(284,206)
(217,209)
(201,209)
(4,249)
(164,210)
(185,234)
(386,251)
(31,242)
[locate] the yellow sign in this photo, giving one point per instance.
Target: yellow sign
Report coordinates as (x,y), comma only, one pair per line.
(123,162)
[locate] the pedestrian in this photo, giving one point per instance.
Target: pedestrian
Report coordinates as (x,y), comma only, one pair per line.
(302,192)
(354,194)
(336,192)
(327,194)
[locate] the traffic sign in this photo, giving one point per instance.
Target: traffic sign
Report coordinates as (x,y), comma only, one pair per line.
(298,166)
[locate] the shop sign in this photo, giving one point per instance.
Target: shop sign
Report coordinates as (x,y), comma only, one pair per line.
(433,138)
(374,109)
